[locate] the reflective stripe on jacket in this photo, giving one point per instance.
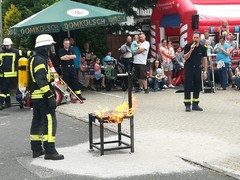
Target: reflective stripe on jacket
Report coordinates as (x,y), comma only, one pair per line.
(40,77)
(9,62)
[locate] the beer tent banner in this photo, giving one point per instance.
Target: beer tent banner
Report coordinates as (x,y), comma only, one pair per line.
(66,15)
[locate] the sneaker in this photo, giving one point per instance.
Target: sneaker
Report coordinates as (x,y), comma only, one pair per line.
(1,107)
(171,86)
(165,86)
(233,86)
(146,91)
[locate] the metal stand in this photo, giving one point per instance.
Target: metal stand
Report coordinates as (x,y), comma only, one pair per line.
(121,144)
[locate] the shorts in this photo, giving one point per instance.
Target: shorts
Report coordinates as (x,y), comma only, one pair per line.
(140,71)
(167,66)
(98,76)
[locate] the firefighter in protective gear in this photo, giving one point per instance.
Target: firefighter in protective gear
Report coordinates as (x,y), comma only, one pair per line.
(44,123)
(8,69)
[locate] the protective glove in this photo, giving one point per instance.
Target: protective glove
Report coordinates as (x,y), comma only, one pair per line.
(52,103)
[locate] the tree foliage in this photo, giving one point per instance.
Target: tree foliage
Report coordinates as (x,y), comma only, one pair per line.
(122,5)
(27,7)
(93,35)
(12,16)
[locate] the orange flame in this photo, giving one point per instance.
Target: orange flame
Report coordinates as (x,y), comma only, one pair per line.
(117,115)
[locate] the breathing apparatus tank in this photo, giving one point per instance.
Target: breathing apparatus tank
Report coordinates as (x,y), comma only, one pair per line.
(23,74)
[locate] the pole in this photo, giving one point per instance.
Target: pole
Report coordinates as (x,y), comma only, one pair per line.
(1,30)
(130,90)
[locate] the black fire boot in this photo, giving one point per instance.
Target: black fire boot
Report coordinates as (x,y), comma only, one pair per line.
(54,156)
(51,152)
(188,108)
(82,98)
(8,102)
(196,107)
(1,103)
(38,153)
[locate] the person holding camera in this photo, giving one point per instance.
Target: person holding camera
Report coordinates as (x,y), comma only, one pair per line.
(222,49)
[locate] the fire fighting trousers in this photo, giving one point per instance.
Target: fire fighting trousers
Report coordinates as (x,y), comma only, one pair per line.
(5,84)
(71,79)
(192,83)
(43,128)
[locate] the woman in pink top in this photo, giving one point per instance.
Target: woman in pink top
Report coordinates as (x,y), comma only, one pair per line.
(167,62)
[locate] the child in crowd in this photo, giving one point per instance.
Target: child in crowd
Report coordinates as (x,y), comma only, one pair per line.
(209,52)
(178,67)
(236,76)
(136,45)
(171,49)
(84,75)
(223,28)
(225,34)
(98,74)
(208,47)
(108,59)
(160,79)
(157,80)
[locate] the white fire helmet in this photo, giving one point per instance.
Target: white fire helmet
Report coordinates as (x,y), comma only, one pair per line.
(7,41)
(43,40)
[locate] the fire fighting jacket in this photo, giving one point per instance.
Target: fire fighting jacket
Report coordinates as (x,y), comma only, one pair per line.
(9,61)
(40,77)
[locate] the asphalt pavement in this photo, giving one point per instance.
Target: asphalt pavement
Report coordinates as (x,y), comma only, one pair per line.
(169,142)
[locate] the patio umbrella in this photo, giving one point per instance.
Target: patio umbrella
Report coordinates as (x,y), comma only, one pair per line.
(66,15)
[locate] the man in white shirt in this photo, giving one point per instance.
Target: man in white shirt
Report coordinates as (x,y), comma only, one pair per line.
(140,63)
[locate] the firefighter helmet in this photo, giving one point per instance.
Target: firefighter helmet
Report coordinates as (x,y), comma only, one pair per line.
(43,40)
(7,41)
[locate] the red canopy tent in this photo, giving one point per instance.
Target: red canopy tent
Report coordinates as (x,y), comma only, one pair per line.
(176,20)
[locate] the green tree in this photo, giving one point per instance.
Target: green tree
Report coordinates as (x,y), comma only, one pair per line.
(27,7)
(122,5)
(12,16)
(30,7)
